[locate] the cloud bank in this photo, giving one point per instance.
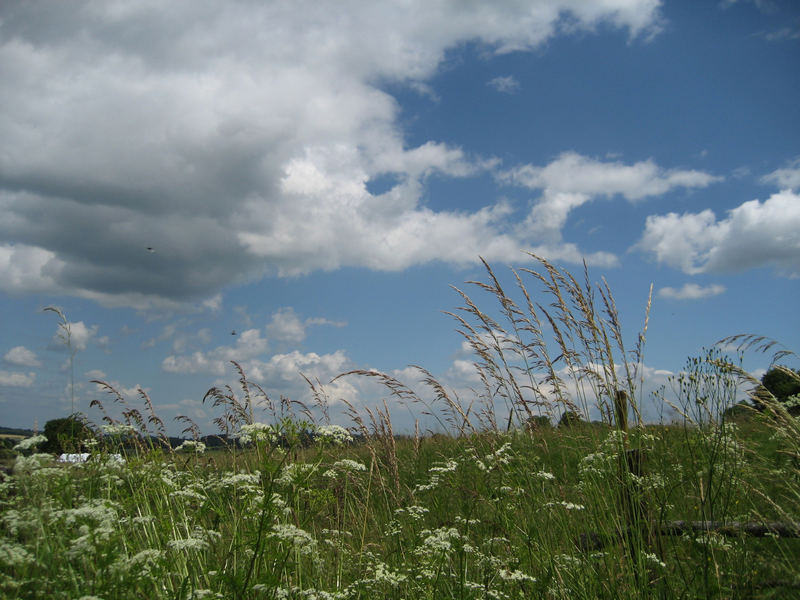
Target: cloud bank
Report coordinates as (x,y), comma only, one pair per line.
(154,154)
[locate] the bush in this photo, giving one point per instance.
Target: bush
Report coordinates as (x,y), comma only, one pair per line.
(66,435)
(569,419)
(781,384)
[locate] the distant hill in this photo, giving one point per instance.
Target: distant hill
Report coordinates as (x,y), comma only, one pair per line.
(13,431)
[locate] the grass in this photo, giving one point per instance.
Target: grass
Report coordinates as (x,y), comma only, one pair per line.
(500,505)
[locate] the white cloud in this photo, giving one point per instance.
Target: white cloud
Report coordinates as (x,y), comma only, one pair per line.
(74,336)
(572,180)
(15,379)
(578,175)
(691,291)
(504,85)
(754,234)
(249,344)
(786,178)
(286,326)
(22,357)
(238,141)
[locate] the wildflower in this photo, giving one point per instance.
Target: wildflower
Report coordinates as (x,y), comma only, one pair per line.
(118,429)
(258,432)
(188,494)
(333,434)
(567,505)
(349,465)
(544,475)
(438,541)
(14,555)
(436,473)
(294,472)
(300,539)
(29,464)
(191,447)
(495,459)
(186,544)
(515,575)
(204,593)
(654,559)
(29,443)
(414,511)
(385,575)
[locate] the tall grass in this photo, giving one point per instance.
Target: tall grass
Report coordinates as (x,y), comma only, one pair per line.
(502,505)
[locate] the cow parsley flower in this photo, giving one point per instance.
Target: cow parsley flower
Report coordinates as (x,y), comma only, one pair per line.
(258,432)
(29,443)
(191,447)
(333,434)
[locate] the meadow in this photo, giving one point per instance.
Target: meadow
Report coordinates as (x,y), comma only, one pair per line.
(517,496)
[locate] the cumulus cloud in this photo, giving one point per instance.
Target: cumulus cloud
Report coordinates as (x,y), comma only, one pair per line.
(16,379)
(787,177)
(754,234)
(22,357)
(572,180)
(249,344)
(691,291)
(73,336)
(153,156)
(286,326)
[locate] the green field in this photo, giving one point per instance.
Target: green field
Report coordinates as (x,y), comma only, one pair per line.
(552,513)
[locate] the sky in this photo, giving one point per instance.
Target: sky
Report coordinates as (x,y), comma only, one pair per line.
(297,188)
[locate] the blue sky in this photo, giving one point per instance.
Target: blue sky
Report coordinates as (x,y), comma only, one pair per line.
(315,182)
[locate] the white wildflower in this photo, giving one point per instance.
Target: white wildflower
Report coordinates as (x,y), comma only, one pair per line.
(436,473)
(293,473)
(383,574)
(191,447)
(438,541)
(202,594)
(349,465)
(298,538)
(118,429)
(654,559)
(567,505)
(258,432)
(333,434)
(29,443)
(516,575)
(567,561)
(188,494)
(414,511)
(13,555)
(29,464)
(187,544)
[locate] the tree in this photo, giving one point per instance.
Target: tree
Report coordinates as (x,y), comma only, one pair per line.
(779,384)
(569,419)
(66,435)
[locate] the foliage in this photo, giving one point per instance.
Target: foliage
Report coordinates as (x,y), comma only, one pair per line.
(570,418)
(780,384)
(67,434)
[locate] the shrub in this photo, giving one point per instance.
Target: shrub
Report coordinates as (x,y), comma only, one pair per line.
(66,435)
(570,418)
